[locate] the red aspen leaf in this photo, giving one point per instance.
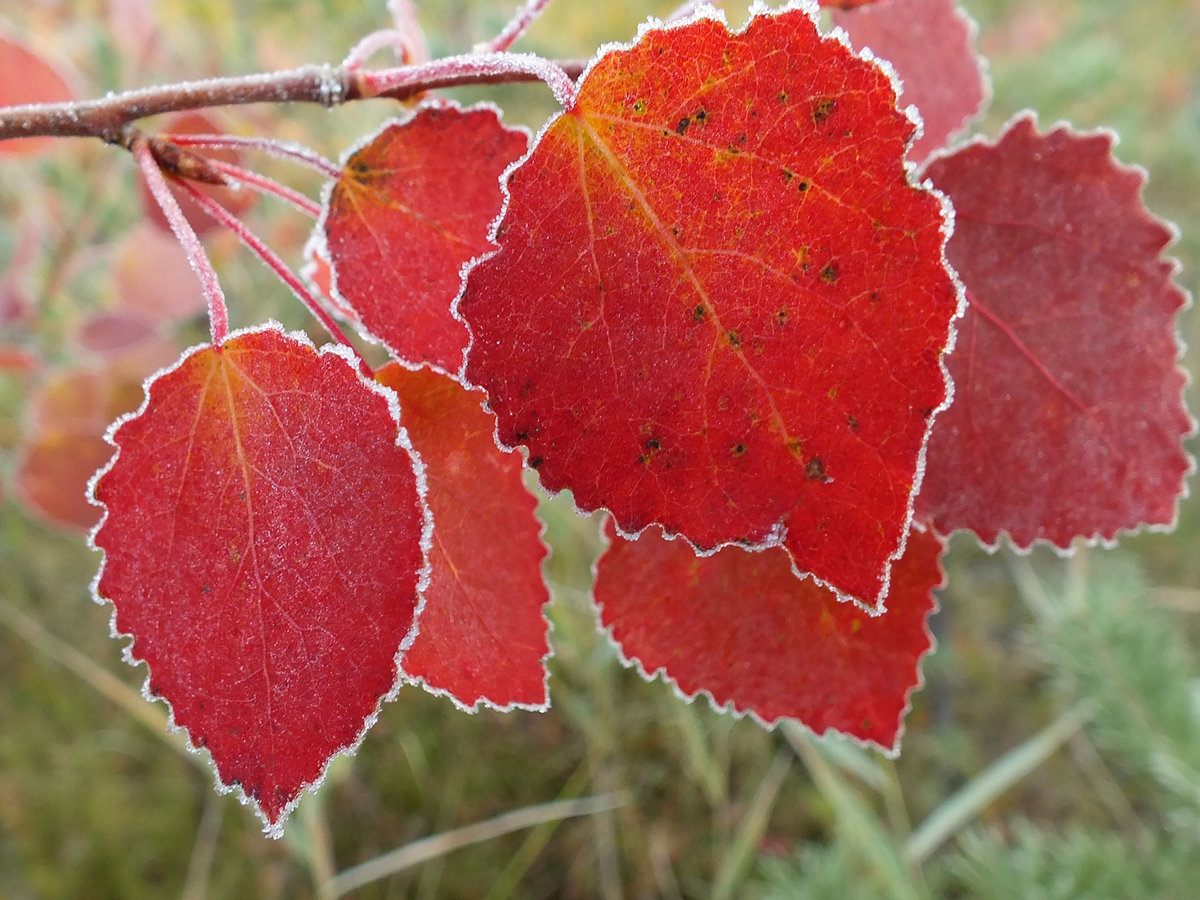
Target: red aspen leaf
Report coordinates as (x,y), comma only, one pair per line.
(931,44)
(27,77)
(413,205)
(741,628)
(482,635)
(63,444)
(115,333)
(152,276)
(719,304)
(1068,412)
(263,548)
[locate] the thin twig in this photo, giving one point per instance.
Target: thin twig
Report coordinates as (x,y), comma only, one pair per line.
(286,150)
(109,117)
(269,186)
(519,24)
(440,844)
(278,266)
(218,312)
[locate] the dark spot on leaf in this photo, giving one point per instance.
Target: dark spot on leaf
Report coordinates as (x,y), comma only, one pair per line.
(699,314)
(683,125)
(783,97)
(738,449)
(874,296)
(701,115)
(639,106)
(206,589)
(852,422)
(521,436)
(734,339)
(781,317)
(535,462)
(802,186)
(653,444)
(823,109)
(795,446)
(926,412)
(788,176)
(829,274)
(814,470)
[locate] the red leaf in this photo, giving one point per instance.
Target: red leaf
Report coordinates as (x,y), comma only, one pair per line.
(153,277)
(263,545)
(719,304)
(482,637)
(112,334)
(63,444)
(1068,415)
(844,4)
(743,629)
(27,77)
(931,44)
(412,206)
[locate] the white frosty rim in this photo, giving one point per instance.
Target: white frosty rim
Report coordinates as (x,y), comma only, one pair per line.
(1097,539)
(318,246)
(402,440)
(705,11)
(730,707)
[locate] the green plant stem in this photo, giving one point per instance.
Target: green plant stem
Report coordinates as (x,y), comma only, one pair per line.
(859,825)
(752,827)
(440,844)
(975,796)
(537,839)
(118,692)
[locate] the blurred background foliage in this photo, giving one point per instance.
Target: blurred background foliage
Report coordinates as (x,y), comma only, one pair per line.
(1054,751)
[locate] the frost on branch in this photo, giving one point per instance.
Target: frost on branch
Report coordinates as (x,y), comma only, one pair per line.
(1068,414)
(482,636)
(743,629)
(411,207)
(719,304)
(263,547)
(27,77)
(931,45)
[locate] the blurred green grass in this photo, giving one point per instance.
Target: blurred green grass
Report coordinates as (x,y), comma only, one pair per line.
(95,804)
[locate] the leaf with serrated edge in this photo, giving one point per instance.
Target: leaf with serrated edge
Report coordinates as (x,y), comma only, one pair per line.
(931,45)
(264,537)
(1068,415)
(414,203)
(719,304)
(740,628)
(483,636)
